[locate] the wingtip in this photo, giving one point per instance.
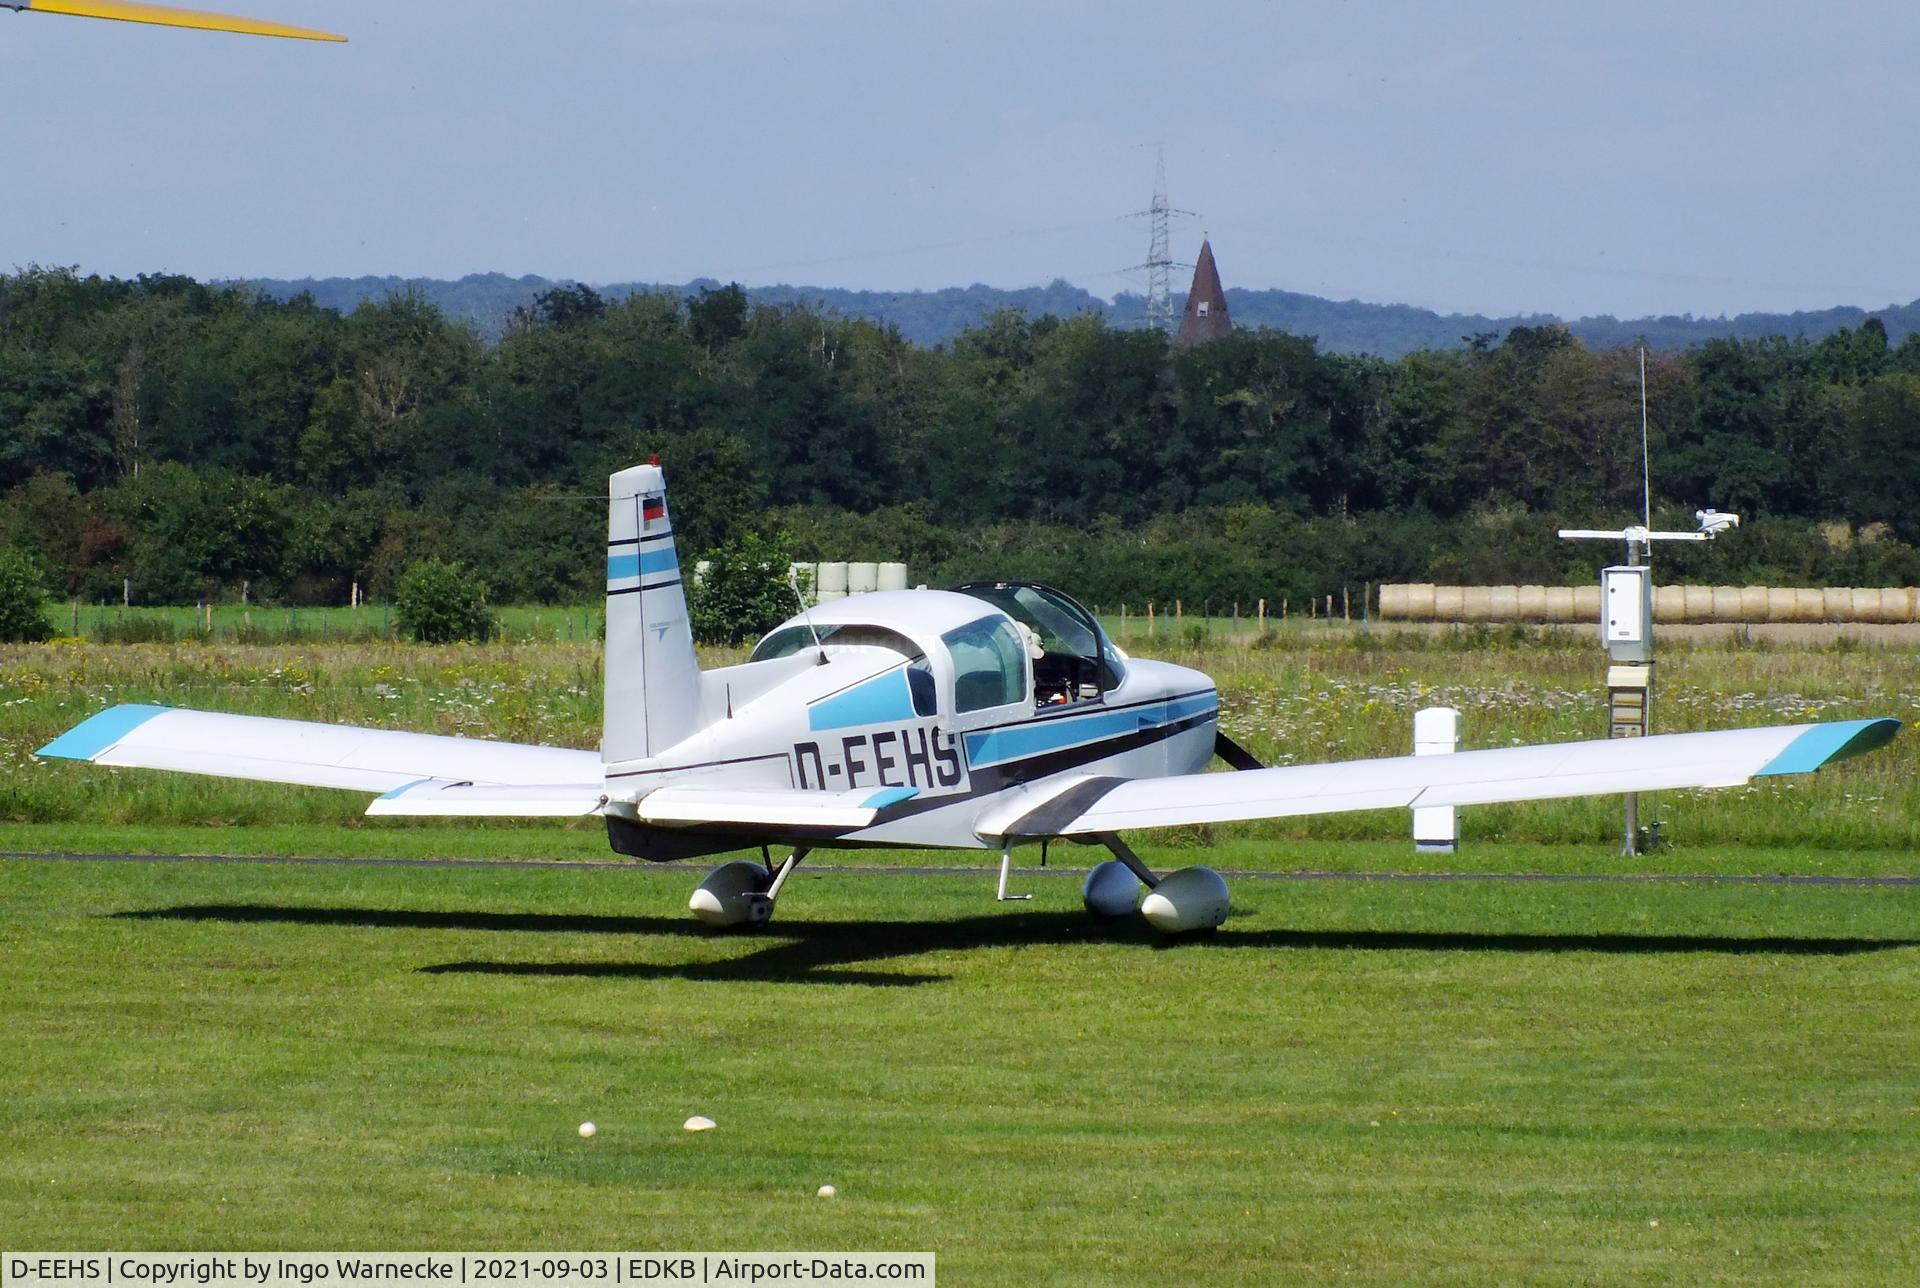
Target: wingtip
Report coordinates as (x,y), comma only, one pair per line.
(99,732)
(1823,744)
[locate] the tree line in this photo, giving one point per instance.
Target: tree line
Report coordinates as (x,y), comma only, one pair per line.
(186,440)
(488,301)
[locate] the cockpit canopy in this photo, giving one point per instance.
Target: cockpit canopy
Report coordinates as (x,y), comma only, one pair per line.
(984,647)
(1076,662)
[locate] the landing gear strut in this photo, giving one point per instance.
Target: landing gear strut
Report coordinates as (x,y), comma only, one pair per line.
(741,893)
(1189,899)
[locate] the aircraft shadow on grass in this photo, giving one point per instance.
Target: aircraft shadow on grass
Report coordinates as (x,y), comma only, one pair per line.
(798,952)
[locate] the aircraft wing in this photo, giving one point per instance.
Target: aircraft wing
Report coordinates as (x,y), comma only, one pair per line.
(325,755)
(1725,758)
(431,775)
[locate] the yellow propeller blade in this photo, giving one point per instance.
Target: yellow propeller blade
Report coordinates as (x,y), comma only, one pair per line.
(167,16)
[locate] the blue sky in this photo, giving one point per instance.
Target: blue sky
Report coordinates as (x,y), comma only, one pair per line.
(1627,158)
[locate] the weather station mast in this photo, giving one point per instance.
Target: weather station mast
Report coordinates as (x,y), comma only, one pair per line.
(1626,612)
(1160,263)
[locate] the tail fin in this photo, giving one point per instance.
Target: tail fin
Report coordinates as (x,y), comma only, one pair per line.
(652,677)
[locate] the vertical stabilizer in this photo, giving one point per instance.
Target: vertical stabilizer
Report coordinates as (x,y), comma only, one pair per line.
(652,677)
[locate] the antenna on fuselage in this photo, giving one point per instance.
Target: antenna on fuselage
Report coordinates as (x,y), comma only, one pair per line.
(793,580)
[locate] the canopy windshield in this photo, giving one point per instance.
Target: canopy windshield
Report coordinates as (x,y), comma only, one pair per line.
(1067,632)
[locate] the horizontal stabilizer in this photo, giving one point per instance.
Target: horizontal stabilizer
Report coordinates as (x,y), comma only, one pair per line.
(269,750)
(1724,758)
(720,806)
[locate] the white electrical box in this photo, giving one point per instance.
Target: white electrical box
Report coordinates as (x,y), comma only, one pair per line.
(1626,613)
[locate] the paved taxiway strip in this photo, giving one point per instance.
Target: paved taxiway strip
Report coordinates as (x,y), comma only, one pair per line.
(1575,878)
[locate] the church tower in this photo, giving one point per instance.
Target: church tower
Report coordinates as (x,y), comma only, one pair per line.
(1206,316)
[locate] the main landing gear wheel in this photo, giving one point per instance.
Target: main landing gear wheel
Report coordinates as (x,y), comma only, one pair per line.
(1190,899)
(1112,891)
(1176,904)
(741,893)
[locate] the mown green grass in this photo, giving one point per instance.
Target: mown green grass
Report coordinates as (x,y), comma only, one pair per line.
(492,841)
(1359,1082)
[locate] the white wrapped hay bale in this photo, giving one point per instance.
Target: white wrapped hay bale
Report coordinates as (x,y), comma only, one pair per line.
(863,578)
(893,576)
(831,580)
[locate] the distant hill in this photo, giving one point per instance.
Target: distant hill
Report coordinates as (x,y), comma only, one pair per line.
(488,300)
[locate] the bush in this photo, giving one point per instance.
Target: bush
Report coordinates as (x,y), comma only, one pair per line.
(23,600)
(744,591)
(439,602)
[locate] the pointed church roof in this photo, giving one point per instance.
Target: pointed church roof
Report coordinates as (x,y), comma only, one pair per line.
(1206,316)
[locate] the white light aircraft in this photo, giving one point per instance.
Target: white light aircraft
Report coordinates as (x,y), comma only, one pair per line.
(991,716)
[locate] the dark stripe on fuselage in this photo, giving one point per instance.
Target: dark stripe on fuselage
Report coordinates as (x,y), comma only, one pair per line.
(636,838)
(989,779)
(780,756)
(1081,710)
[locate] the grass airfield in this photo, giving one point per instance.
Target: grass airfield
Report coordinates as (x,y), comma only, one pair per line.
(1356,1080)
(1359,1081)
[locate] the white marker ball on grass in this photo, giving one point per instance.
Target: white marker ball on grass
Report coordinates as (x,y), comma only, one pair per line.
(699,1122)
(587,1130)
(826,1191)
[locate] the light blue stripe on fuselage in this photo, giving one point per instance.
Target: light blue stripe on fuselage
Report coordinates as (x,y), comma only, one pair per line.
(640,563)
(1021,741)
(881,700)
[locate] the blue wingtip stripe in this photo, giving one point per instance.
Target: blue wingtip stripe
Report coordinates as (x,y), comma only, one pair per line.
(100,731)
(1825,743)
(890,796)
